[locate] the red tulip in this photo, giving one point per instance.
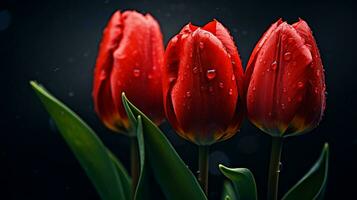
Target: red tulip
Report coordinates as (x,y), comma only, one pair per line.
(130,60)
(202,81)
(285,81)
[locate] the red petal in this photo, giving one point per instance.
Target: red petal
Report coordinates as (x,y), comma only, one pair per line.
(204,104)
(250,66)
(137,65)
(278,81)
(102,95)
(312,108)
(217,29)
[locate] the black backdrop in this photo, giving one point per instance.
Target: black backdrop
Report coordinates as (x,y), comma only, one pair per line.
(55,42)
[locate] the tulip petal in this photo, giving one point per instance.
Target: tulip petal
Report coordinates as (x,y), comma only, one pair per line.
(313,106)
(198,96)
(278,81)
(137,65)
(257,48)
(217,29)
(102,95)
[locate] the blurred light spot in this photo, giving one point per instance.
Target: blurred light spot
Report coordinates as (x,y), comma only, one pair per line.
(70,94)
(248,144)
(52,125)
(5,19)
(216,158)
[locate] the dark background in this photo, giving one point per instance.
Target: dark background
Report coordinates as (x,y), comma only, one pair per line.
(55,43)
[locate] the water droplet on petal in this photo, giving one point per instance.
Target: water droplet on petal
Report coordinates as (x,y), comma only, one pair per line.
(318,73)
(201,45)
(287,56)
(300,84)
(195,70)
(211,74)
(136,72)
(283,106)
(233,77)
(103,75)
(172,79)
(316,90)
(188,94)
(274,65)
(221,84)
(230,91)
(284,90)
(150,76)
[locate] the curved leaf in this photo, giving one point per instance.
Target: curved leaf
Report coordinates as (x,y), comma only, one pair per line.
(86,146)
(173,176)
(313,184)
(228,191)
(243,182)
(123,175)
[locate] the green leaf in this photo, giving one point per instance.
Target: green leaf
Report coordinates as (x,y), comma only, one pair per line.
(313,184)
(86,146)
(173,176)
(228,191)
(143,188)
(123,175)
(243,182)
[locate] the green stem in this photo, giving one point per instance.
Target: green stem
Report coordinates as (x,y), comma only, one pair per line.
(203,153)
(274,168)
(134,158)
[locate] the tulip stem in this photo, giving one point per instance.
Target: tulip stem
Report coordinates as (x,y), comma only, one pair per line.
(134,158)
(203,154)
(274,168)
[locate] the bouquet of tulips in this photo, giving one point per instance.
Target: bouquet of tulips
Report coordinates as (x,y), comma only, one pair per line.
(199,86)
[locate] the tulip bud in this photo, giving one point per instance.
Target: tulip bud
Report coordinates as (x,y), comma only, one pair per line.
(202,81)
(285,82)
(130,60)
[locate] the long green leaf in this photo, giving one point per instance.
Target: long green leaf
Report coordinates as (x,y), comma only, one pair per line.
(123,175)
(313,184)
(173,176)
(143,189)
(228,191)
(243,182)
(86,146)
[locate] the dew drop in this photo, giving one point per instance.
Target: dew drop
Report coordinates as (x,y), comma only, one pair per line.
(188,94)
(195,70)
(150,76)
(287,56)
(233,77)
(103,75)
(300,84)
(230,91)
(172,79)
(201,45)
(211,74)
(136,72)
(316,90)
(274,65)
(283,106)
(284,90)
(221,84)
(289,99)
(318,73)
